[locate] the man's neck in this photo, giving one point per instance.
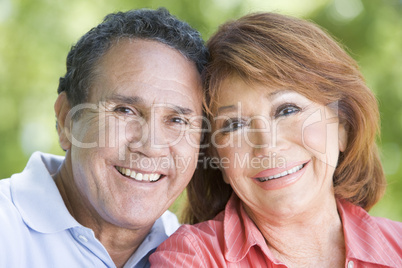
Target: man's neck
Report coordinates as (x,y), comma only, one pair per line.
(119,242)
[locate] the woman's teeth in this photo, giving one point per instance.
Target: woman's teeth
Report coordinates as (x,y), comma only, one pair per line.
(290,171)
(139,176)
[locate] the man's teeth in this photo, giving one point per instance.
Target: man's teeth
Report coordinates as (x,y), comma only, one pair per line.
(137,175)
(290,171)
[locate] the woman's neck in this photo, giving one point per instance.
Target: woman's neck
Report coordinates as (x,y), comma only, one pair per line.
(313,238)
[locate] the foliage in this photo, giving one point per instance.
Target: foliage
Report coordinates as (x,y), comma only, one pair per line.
(36,36)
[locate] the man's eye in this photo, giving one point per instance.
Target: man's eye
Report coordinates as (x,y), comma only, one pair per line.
(124,110)
(286,110)
(178,120)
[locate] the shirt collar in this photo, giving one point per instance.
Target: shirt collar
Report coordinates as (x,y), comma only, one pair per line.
(37,197)
(363,238)
(160,231)
(240,232)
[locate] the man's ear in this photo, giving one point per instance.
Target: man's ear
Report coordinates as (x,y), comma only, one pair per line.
(61,108)
(342,137)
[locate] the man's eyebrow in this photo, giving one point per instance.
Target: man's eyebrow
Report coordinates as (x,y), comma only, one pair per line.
(125,99)
(180,110)
(132,100)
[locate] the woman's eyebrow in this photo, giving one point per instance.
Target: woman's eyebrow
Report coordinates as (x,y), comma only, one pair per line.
(270,95)
(277,93)
(227,108)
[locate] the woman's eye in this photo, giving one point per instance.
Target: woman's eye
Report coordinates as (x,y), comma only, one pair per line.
(286,109)
(124,110)
(232,125)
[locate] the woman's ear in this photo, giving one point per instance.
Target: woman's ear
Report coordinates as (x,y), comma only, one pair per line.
(62,108)
(342,137)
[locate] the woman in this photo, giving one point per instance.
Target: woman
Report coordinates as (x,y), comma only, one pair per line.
(294,128)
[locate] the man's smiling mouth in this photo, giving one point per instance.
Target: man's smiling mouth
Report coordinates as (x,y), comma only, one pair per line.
(151,177)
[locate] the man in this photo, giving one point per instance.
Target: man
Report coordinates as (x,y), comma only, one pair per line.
(129,119)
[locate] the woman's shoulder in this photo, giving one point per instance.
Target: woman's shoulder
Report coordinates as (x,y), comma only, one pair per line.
(199,245)
(391,230)
(203,232)
(371,237)
(389,238)
(353,212)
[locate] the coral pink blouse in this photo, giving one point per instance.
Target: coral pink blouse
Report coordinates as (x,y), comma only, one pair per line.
(232,239)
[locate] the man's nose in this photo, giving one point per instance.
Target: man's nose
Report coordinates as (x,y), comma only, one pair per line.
(153,140)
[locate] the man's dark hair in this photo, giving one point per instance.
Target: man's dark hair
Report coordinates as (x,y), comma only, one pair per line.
(158,25)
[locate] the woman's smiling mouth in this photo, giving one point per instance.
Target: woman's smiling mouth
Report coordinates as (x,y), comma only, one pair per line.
(282,174)
(138,176)
(277,178)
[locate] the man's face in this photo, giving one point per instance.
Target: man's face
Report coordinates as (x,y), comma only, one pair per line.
(143,134)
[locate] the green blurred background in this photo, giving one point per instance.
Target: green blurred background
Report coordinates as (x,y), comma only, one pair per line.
(35,37)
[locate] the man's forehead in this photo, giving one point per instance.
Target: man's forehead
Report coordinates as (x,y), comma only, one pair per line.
(147,72)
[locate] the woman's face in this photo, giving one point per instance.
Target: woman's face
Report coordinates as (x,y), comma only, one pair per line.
(278,149)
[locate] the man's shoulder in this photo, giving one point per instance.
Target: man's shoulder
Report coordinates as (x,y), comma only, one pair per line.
(10,189)
(37,162)
(25,197)
(10,217)
(50,161)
